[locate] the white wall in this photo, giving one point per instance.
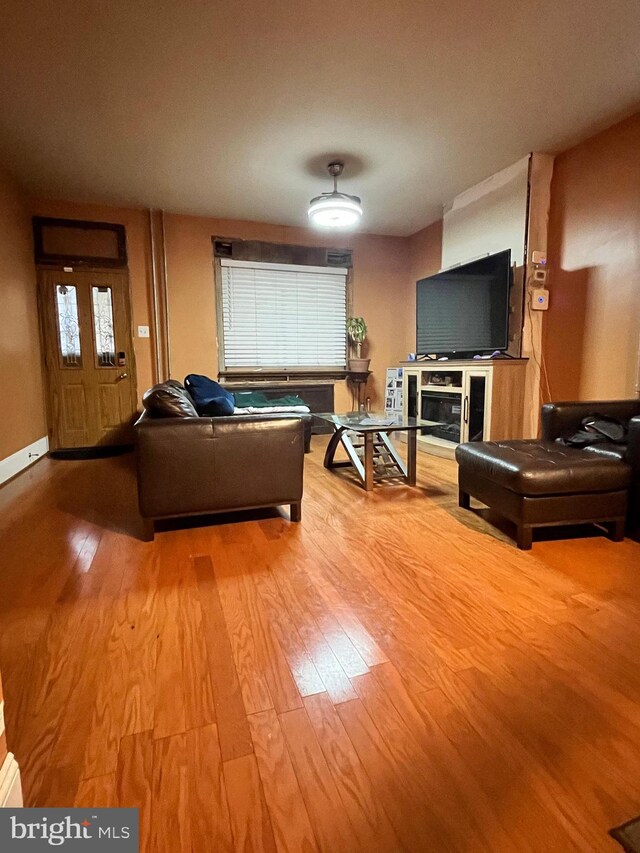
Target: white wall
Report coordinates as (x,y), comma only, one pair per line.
(488,218)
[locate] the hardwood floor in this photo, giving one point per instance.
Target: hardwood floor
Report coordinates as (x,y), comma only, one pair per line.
(391,674)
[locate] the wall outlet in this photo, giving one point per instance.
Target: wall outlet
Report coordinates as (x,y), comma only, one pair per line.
(143,331)
(540,299)
(540,275)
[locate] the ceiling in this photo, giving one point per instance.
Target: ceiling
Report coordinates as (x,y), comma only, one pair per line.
(232,108)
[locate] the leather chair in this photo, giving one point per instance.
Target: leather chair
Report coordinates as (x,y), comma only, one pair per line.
(541,482)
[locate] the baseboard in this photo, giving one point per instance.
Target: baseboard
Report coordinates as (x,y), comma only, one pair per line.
(10,785)
(21,459)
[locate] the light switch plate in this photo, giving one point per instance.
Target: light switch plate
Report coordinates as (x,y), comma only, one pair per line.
(143,331)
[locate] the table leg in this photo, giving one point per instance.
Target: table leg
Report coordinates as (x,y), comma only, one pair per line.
(330,452)
(412,447)
(368,461)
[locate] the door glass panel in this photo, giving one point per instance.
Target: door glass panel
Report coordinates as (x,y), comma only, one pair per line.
(68,325)
(103,326)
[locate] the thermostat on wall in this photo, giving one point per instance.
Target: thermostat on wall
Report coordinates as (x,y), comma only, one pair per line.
(540,299)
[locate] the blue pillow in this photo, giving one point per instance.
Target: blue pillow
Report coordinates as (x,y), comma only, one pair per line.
(209,397)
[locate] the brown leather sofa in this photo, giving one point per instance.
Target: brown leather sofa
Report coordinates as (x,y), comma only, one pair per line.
(539,482)
(190,465)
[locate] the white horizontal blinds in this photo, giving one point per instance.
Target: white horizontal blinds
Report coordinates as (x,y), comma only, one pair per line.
(283,316)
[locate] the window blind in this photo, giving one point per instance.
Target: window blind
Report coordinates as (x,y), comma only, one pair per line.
(283,316)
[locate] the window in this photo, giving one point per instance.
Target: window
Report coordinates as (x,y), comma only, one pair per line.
(283,316)
(68,325)
(103,326)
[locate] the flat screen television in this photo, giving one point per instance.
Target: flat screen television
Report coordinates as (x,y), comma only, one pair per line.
(465,310)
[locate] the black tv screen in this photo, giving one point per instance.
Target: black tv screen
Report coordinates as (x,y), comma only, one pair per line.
(465,309)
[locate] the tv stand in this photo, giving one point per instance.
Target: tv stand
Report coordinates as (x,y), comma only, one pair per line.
(464,400)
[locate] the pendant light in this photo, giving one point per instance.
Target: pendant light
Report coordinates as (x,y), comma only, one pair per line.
(335,209)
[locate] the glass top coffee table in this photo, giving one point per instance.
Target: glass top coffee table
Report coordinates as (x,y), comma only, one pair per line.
(365,438)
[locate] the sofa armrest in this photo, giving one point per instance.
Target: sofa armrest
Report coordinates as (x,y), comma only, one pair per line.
(169,452)
(561,419)
(633,459)
(633,445)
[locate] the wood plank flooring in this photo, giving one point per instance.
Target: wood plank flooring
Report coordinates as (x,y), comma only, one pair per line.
(389,675)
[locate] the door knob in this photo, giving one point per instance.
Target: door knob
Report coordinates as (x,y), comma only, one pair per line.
(123,376)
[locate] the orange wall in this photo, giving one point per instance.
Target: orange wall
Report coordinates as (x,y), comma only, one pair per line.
(425,258)
(592,328)
(425,248)
(382,291)
(23,416)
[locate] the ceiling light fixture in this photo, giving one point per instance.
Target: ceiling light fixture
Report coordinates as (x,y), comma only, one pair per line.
(335,210)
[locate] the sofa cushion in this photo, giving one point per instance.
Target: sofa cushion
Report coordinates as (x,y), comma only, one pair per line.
(209,397)
(534,467)
(169,400)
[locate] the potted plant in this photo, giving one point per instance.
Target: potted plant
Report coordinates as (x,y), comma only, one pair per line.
(357,332)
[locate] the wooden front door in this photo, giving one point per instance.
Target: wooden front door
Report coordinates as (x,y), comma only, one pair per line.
(88,353)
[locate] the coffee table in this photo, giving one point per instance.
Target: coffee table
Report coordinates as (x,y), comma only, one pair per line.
(365,438)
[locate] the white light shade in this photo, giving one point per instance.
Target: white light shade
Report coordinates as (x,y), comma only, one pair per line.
(335,210)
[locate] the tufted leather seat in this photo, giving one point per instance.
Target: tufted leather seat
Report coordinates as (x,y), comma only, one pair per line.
(544,467)
(542,482)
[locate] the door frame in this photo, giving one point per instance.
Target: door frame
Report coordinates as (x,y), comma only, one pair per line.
(41,271)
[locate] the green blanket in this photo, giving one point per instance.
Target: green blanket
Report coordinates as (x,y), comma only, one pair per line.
(259,400)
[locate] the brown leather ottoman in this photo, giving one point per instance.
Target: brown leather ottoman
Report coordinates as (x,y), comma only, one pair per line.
(539,483)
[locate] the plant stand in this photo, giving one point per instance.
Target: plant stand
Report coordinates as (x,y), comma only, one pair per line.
(358,381)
